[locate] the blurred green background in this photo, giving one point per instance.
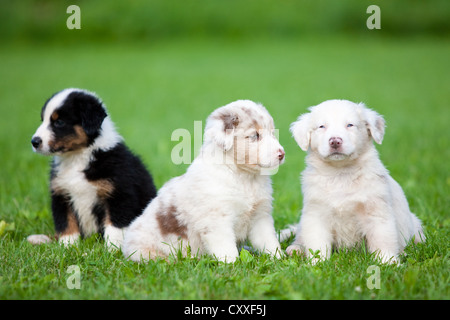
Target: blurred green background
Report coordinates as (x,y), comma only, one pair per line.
(153,20)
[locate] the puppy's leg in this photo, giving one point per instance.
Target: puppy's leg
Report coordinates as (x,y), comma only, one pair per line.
(66,223)
(143,240)
(313,234)
(262,234)
(112,232)
(114,237)
(382,237)
(220,241)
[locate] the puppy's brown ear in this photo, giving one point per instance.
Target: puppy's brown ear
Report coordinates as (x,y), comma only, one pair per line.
(301,131)
(374,122)
(220,128)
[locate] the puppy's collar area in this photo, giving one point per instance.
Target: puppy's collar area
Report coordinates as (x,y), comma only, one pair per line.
(108,137)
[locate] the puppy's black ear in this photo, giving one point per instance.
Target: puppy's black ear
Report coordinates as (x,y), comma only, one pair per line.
(92,112)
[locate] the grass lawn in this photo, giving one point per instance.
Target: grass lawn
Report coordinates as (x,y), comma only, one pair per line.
(153,89)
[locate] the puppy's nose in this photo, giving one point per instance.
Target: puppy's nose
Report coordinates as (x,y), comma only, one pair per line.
(36,142)
(281,154)
(335,142)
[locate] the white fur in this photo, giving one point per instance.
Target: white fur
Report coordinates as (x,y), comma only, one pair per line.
(222,199)
(38,239)
(70,178)
(114,236)
(348,194)
(68,240)
(70,167)
(43,130)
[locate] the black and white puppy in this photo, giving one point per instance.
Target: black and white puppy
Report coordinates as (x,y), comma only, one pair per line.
(96,183)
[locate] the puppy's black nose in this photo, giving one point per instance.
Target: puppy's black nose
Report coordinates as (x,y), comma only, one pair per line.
(36,142)
(335,142)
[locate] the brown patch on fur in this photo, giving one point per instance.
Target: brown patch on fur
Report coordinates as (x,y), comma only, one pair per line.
(168,222)
(360,208)
(73,142)
(257,126)
(230,121)
(72,225)
(55,116)
(105,188)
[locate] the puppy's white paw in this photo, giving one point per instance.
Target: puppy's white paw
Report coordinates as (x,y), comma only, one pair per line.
(38,239)
(294,248)
(69,240)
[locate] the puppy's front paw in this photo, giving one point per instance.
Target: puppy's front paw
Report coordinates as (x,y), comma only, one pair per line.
(294,248)
(279,254)
(227,258)
(388,258)
(69,240)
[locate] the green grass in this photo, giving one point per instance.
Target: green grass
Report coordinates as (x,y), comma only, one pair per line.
(150,90)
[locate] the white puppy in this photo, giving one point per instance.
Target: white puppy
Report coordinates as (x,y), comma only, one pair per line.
(222,199)
(348,194)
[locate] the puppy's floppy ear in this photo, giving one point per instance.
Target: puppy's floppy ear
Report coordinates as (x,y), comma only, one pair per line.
(220,128)
(374,122)
(91,110)
(301,131)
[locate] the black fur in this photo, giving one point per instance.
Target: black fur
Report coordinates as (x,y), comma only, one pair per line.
(132,184)
(133,189)
(124,185)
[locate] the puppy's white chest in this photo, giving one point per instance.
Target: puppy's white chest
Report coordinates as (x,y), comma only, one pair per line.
(71,181)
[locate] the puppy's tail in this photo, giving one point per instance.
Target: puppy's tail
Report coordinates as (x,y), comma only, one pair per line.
(285,234)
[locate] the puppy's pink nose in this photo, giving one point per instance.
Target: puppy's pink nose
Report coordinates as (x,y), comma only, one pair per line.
(281,154)
(335,142)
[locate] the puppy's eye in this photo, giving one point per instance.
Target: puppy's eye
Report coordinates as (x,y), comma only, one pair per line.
(59,123)
(322,127)
(350,125)
(254,137)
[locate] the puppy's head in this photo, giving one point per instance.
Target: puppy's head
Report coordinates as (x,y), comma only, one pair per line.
(244,132)
(71,121)
(338,129)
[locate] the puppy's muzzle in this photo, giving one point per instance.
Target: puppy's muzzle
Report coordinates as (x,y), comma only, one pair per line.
(335,142)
